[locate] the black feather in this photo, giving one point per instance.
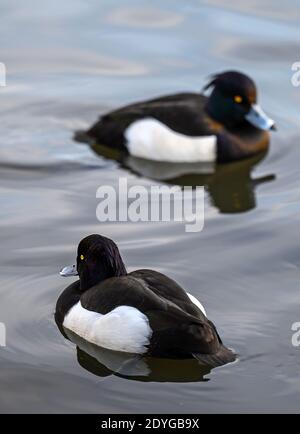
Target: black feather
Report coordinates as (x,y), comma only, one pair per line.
(221,357)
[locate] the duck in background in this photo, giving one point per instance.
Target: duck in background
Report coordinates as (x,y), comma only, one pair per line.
(143,312)
(226,126)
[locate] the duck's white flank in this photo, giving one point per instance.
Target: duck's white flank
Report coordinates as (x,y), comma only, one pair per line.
(197,303)
(151,139)
(125,328)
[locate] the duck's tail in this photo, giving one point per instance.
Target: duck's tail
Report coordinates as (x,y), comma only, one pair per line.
(83,136)
(221,357)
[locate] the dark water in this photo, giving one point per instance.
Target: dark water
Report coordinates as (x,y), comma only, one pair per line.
(66,63)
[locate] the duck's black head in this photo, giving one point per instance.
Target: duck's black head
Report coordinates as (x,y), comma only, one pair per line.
(233,101)
(98,258)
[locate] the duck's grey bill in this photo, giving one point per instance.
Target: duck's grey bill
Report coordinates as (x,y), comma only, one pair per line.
(70,270)
(257,117)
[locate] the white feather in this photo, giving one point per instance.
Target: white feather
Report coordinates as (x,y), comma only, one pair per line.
(197,303)
(151,139)
(125,328)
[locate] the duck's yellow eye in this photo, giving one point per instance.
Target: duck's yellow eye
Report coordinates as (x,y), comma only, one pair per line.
(238,99)
(82,257)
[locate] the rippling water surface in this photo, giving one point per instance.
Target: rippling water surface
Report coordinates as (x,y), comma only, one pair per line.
(67,62)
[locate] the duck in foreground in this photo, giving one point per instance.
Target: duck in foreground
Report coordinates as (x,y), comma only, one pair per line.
(189,127)
(142,312)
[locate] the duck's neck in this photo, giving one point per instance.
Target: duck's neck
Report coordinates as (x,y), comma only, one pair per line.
(94,276)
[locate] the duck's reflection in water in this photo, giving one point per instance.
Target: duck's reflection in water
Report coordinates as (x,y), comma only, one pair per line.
(103,363)
(230,186)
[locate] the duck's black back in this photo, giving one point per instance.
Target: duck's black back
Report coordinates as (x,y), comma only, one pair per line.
(183,113)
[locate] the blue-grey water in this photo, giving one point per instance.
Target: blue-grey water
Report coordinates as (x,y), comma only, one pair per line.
(68,62)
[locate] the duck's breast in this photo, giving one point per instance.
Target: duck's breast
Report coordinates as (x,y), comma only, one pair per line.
(125,328)
(151,139)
